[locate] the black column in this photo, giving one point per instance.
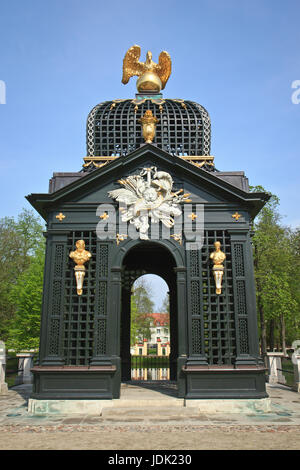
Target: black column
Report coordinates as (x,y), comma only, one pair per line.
(51,349)
(244,298)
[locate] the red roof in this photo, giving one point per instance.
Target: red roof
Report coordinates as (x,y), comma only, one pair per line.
(162,318)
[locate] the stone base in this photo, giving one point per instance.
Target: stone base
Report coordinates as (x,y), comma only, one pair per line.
(67,407)
(250,405)
(3,388)
(296,387)
(95,407)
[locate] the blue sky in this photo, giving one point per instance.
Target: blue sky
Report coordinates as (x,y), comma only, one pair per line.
(238,58)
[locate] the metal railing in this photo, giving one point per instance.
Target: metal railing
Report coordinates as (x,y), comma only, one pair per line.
(286,372)
(150,368)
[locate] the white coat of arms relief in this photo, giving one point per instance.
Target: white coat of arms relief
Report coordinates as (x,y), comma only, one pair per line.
(149,195)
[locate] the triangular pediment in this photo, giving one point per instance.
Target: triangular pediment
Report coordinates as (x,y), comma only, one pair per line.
(93,188)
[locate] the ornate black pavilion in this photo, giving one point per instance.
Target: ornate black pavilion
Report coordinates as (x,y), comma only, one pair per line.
(85,339)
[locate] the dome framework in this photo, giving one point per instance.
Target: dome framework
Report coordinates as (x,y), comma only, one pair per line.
(114,130)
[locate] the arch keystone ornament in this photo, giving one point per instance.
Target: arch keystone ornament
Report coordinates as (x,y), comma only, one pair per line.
(151,197)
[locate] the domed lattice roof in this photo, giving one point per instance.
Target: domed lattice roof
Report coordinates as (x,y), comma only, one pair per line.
(114,128)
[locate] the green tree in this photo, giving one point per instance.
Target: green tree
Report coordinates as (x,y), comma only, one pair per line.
(273,261)
(165,307)
(26,296)
(140,324)
(19,241)
(141,305)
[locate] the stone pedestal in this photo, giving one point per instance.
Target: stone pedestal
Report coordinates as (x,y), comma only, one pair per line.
(25,364)
(3,384)
(296,362)
(274,363)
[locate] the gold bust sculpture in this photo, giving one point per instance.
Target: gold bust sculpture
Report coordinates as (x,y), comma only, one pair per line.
(80,256)
(218,258)
(152,76)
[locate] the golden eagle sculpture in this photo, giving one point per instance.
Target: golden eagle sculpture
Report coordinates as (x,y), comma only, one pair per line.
(152,76)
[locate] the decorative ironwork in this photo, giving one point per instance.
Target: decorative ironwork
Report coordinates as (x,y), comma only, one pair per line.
(238,253)
(101,299)
(196,336)
(240,297)
(101,337)
(54,337)
(116,132)
(79,311)
(218,310)
(243,335)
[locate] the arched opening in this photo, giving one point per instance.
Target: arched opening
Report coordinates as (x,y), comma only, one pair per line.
(150,329)
(161,330)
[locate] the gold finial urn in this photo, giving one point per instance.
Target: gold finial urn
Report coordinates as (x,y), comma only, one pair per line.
(80,256)
(218,258)
(148,122)
(152,77)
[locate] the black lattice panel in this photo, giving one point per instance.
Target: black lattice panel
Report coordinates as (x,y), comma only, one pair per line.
(101,299)
(113,129)
(218,309)
(79,309)
(240,294)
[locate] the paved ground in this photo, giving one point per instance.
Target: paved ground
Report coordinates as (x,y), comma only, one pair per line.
(172,428)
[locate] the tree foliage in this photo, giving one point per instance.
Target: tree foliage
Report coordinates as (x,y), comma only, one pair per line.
(20,241)
(141,305)
(276,262)
(165,307)
(26,296)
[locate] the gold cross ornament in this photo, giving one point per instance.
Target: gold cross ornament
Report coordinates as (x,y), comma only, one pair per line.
(60,216)
(236,216)
(192,216)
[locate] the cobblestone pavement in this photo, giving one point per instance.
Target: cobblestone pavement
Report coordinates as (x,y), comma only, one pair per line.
(150,429)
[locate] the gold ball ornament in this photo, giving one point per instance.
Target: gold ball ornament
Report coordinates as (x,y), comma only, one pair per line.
(149,81)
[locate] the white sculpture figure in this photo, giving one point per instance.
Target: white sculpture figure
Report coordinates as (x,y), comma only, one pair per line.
(152,198)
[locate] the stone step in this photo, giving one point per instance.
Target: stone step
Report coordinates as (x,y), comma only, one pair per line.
(147,402)
(155,413)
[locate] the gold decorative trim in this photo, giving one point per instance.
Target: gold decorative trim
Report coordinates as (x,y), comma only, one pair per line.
(177,237)
(120,238)
(93,161)
(197,160)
